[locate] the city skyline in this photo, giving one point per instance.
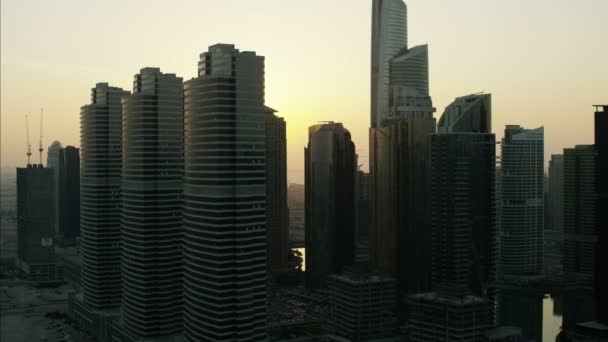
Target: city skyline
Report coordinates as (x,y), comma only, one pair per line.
(534,82)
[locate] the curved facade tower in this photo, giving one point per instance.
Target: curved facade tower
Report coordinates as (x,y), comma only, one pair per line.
(225,198)
(153,162)
(410,69)
(389,36)
(100,171)
(467,114)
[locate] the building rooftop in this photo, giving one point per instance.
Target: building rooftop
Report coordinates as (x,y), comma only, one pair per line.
(452,300)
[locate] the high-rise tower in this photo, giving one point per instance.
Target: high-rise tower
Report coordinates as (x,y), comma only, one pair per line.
(151,228)
(330,163)
(35,213)
(601,220)
(521,202)
(69,194)
(277,214)
(225,198)
(52,162)
(462,197)
(579,210)
(389,36)
(101,166)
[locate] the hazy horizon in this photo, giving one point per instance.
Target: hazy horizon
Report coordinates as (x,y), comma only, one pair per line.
(545,72)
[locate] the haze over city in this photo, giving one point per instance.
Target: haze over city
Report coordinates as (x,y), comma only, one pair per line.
(543,61)
(305,171)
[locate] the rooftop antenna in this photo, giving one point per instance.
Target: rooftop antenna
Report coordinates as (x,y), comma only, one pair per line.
(40,141)
(29,146)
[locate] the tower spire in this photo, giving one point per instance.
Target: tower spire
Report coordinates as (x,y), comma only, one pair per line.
(29,146)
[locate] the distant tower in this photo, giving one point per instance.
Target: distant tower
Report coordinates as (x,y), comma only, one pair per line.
(389,36)
(151,227)
(35,199)
(554,225)
(330,166)
(463,211)
(522,202)
(276,193)
(101,166)
(68,192)
(400,235)
(225,198)
(52,162)
(579,210)
(556,194)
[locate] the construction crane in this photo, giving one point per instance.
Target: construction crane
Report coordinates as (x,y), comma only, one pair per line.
(40,141)
(29,146)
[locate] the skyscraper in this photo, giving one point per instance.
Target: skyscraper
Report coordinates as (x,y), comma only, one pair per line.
(225,198)
(579,210)
(151,191)
(362,216)
(402,119)
(35,229)
(52,162)
(330,166)
(554,218)
(601,220)
(463,225)
(389,36)
(463,215)
(277,214)
(69,194)
(400,237)
(100,202)
(556,194)
(521,202)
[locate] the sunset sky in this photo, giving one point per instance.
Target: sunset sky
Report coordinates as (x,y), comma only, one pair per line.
(544,61)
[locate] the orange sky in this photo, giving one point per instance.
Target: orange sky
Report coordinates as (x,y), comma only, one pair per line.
(544,61)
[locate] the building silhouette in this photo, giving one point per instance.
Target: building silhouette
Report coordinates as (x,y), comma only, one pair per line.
(402,119)
(554,216)
(462,211)
(69,194)
(100,201)
(389,36)
(362,217)
(556,194)
(151,215)
(35,229)
(601,220)
(277,214)
(579,210)
(225,198)
(400,238)
(463,214)
(330,166)
(462,197)
(521,202)
(52,162)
